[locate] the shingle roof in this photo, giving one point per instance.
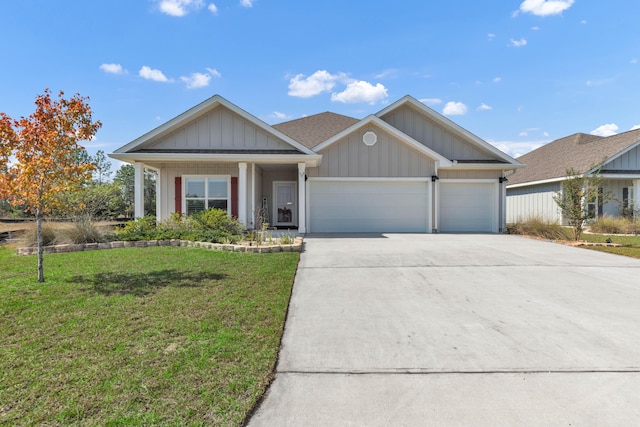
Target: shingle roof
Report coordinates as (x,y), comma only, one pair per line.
(313,130)
(578,151)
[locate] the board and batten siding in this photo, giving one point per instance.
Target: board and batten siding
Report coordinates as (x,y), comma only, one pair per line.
(169,172)
(220,129)
(425,131)
(533,201)
(629,161)
(388,157)
(614,188)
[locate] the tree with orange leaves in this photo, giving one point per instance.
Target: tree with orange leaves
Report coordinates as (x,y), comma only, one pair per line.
(37,155)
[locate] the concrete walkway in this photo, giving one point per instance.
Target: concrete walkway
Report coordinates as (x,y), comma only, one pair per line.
(457,330)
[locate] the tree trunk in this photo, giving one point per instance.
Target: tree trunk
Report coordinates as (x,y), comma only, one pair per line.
(40,247)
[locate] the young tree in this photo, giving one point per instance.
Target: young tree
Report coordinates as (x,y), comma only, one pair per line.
(125,177)
(578,198)
(38,156)
(103,167)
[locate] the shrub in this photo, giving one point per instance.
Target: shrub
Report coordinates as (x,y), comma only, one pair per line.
(608,225)
(539,227)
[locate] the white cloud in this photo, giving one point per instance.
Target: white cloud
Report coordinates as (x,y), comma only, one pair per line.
(583,22)
(361,91)
(213,72)
(605,130)
(112,68)
(516,148)
(179,7)
(491,36)
(318,82)
(634,61)
(497,79)
(454,109)
(213,8)
(280,116)
(635,127)
(431,101)
(545,7)
(152,74)
(390,73)
(196,80)
(523,134)
(518,43)
(546,134)
(484,107)
(246,3)
(535,28)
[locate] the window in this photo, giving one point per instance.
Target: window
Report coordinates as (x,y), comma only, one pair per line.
(205,192)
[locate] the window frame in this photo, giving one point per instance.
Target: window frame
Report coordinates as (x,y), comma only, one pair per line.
(206,199)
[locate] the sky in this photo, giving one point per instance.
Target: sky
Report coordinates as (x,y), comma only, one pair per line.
(518,74)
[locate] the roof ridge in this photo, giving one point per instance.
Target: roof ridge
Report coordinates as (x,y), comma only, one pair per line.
(313,115)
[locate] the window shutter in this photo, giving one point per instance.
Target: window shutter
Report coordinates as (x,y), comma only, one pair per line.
(178,199)
(234,196)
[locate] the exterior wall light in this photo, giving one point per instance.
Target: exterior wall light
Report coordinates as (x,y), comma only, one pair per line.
(434,178)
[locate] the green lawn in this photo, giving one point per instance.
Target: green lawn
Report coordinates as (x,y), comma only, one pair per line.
(630,244)
(139,336)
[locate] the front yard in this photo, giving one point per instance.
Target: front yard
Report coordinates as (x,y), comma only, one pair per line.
(139,336)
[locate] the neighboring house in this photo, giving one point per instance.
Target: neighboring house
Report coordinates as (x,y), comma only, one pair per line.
(531,191)
(404,169)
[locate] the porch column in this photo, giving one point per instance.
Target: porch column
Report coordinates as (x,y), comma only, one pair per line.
(636,197)
(436,204)
(138,193)
(242,193)
(159,196)
(302,198)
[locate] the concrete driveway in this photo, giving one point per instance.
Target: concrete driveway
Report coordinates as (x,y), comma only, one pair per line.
(456,330)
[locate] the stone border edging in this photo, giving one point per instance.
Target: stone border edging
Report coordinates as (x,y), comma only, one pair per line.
(59,249)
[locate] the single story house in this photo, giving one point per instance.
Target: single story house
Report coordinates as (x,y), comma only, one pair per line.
(531,191)
(404,169)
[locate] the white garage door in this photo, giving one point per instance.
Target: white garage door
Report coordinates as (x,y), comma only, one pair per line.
(468,207)
(368,206)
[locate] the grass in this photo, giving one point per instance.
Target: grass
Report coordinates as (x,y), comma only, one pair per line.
(139,336)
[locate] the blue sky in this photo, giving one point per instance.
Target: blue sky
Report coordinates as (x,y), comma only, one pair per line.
(517,74)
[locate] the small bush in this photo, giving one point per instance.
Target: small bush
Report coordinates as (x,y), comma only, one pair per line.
(213,225)
(538,227)
(81,230)
(30,237)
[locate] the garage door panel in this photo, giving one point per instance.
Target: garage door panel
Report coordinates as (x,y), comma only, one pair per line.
(468,207)
(368,206)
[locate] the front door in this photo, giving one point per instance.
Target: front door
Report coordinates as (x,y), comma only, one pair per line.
(285,210)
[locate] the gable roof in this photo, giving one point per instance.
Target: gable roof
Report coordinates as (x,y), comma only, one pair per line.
(313,130)
(372,119)
(578,151)
(199,110)
(451,126)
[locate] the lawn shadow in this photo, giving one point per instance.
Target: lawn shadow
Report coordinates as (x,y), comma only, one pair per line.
(143,284)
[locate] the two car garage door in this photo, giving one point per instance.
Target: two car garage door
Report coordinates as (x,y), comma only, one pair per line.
(339,206)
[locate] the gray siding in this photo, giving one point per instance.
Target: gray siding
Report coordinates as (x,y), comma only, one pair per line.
(627,162)
(614,189)
(220,129)
(533,201)
(389,157)
(469,174)
(420,128)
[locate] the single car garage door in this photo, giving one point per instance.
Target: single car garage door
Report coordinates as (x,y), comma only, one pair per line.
(468,207)
(342,206)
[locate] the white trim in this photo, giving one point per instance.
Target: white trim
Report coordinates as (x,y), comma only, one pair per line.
(229,195)
(443,121)
(542,181)
(485,166)
(201,109)
(274,207)
(620,176)
(253,195)
(352,178)
(386,127)
(310,160)
(621,153)
(159,196)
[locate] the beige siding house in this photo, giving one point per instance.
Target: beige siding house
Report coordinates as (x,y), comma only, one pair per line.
(531,191)
(404,169)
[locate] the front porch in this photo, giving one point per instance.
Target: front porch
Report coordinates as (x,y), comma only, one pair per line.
(254,192)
